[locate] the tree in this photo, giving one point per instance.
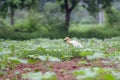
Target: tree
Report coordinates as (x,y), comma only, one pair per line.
(68,6)
(95,6)
(92,7)
(12,5)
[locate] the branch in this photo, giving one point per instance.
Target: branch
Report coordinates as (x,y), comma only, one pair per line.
(73,6)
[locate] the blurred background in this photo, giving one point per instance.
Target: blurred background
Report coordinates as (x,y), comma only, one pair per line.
(27,19)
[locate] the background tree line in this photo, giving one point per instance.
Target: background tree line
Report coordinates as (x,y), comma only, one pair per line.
(53,18)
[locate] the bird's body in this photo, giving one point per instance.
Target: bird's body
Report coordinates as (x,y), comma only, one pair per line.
(76,44)
(73,42)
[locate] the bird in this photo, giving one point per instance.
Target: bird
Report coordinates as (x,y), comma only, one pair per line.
(73,42)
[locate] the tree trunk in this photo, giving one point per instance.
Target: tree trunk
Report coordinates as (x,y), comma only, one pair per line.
(12,16)
(68,12)
(67,16)
(67,21)
(101,17)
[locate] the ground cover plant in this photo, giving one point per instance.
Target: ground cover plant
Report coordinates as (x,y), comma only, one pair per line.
(45,59)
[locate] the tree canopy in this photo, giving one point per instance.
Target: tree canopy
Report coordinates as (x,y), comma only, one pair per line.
(12,5)
(94,6)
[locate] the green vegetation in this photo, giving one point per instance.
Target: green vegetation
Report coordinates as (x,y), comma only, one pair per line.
(31,19)
(32,32)
(93,73)
(31,51)
(26,30)
(40,76)
(93,31)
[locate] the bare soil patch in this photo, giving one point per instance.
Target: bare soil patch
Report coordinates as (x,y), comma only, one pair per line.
(63,69)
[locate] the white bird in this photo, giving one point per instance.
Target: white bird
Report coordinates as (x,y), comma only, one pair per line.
(73,42)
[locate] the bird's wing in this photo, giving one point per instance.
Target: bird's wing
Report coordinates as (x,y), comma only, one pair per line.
(76,44)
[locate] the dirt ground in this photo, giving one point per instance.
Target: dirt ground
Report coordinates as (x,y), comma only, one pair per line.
(63,69)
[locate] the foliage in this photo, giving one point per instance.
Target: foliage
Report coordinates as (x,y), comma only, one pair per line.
(113,19)
(94,74)
(39,76)
(10,6)
(14,52)
(37,24)
(15,4)
(24,30)
(44,58)
(94,6)
(50,23)
(93,31)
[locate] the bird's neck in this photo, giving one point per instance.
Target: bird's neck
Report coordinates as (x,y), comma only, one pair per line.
(69,41)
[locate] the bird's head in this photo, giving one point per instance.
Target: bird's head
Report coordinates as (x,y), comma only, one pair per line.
(67,39)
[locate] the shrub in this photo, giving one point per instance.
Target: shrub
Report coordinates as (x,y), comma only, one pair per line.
(34,26)
(96,32)
(113,18)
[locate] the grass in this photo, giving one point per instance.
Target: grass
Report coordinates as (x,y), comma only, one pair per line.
(93,31)
(83,28)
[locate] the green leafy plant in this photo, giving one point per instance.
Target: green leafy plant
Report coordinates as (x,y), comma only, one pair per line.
(39,76)
(107,52)
(94,74)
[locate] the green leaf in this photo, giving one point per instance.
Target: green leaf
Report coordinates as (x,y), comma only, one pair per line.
(86,53)
(39,76)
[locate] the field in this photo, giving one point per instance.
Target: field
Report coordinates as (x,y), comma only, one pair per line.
(45,59)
